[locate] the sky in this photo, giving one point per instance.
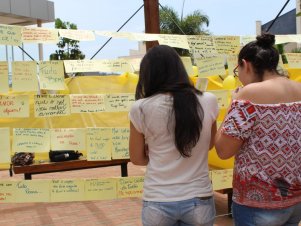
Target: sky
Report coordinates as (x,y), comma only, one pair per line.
(226,17)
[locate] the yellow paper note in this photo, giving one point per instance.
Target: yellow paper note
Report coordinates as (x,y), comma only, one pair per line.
(177,41)
(144,37)
(100,189)
(135,63)
(188,65)
(72,66)
(114,34)
(120,141)
(79,35)
(68,139)
(39,35)
(119,102)
(87,103)
(210,173)
(222,98)
(280,62)
(222,179)
(67,190)
(14,106)
(246,39)
(232,60)
(99,144)
(51,105)
(7,191)
(128,187)
(52,75)
(280,39)
(31,140)
(24,76)
(201,45)
(227,44)
(4,145)
(105,33)
(293,38)
(130,36)
(29,191)
(293,59)
(118,66)
(201,84)
(4,77)
(10,35)
(281,68)
(210,66)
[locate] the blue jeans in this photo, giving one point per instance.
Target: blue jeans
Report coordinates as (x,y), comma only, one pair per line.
(191,212)
(250,216)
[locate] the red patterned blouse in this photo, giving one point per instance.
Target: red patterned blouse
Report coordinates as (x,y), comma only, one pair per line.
(267,172)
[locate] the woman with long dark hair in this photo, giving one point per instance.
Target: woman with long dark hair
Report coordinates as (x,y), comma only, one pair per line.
(171,131)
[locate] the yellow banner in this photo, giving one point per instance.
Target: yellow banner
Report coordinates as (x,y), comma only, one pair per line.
(67,190)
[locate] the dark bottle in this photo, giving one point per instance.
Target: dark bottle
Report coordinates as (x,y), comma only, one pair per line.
(61,157)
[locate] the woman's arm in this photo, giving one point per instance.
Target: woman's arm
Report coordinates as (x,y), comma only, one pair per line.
(213,133)
(138,155)
(226,146)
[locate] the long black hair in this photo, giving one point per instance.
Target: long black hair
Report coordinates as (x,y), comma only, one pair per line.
(262,54)
(162,71)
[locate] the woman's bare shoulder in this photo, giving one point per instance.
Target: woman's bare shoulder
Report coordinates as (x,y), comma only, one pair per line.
(270,92)
(251,92)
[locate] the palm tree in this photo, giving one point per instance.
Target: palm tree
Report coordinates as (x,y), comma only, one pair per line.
(192,24)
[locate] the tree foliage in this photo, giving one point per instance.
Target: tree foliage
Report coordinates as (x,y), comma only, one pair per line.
(192,24)
(68,49)
(280,48)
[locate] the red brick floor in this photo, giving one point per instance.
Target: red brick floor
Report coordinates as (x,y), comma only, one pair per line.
(121,212)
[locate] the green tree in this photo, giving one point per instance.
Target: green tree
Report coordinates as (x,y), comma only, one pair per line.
(192,24)
(68,49)
(280,48)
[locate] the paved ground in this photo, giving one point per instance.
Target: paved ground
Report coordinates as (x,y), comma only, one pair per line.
(121,212)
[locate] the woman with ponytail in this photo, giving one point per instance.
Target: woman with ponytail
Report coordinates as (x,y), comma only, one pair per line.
(172,128)
(263,131)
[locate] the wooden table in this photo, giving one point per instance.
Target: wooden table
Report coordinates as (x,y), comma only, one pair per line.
(51,167)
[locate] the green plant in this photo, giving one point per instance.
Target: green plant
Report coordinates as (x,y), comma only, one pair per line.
(280,48)
(68,49)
